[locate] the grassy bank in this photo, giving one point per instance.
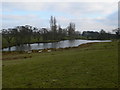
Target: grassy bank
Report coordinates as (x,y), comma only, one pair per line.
(88,66)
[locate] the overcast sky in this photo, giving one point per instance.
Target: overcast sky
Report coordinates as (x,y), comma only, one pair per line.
(86,15)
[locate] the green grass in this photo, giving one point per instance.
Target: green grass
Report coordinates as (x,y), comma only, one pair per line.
(87,67)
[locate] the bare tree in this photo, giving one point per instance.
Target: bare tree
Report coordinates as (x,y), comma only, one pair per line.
(71,29)
(117,31)
(53,27)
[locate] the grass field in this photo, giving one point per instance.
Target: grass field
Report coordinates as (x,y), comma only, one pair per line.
(92,66)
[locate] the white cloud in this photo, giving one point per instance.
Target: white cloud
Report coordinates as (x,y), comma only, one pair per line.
(86,16)
(88,24)
(65,7)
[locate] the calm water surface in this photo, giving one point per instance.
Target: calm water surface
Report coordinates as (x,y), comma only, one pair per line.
(60,44)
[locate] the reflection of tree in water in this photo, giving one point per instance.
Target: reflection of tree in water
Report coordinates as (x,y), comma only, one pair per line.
(38,44)
(55,45)
(47,45)
(9,48)
(24,47)
(71,42)
(29,47)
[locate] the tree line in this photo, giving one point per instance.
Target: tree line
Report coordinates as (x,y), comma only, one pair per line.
(20,35)
(102,34)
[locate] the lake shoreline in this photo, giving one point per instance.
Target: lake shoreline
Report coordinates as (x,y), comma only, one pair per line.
(51,45)
(53,49)
(49,41)
(6,53)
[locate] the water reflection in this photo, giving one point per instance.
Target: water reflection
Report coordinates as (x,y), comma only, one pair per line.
(24,47)
(60,44)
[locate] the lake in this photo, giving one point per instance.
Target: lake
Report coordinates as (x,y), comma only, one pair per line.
(60,44)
